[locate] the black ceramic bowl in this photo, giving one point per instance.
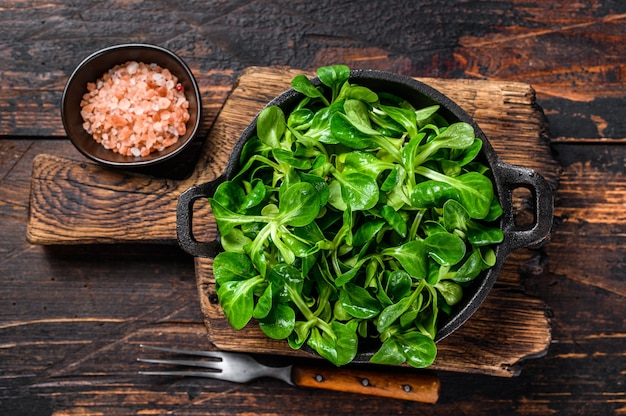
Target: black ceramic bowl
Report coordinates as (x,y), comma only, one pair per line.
(506,178)
(92,68)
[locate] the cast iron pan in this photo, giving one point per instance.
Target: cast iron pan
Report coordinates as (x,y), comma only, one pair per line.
(506,179)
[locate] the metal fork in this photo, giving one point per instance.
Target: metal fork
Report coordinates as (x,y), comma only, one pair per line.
(241,368)
(229,366)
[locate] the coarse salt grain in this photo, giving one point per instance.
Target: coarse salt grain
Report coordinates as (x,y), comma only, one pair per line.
(135,109)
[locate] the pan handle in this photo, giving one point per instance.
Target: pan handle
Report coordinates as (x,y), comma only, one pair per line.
(184,220)
(513,177)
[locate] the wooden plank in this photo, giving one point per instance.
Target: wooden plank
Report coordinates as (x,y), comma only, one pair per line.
(99,205)
(591,212)
(572,54)
(94,362)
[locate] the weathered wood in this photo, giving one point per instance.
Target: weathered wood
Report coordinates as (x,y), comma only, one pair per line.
(105,206)
(77,313)
(405,385)
(591,212)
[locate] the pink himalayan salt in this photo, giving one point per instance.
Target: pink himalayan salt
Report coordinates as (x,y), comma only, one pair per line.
(135,109)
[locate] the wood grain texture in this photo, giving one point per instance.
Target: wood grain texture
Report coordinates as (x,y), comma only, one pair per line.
(98,205)
(406,385)
(570,52)
(72,316)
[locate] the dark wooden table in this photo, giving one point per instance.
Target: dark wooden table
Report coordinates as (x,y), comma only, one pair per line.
(72,316)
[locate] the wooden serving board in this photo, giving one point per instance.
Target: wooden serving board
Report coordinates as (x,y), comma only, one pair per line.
(74,202)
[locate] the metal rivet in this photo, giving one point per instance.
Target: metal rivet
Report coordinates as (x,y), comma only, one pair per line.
(319,378)
(406,388)
(365,382)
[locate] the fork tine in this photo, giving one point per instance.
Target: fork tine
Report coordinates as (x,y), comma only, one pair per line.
(214,365)
(211,354)
(211,365)
(235,367)
(205,374)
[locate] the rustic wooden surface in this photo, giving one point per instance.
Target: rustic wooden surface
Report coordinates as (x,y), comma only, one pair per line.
(73,202)
(71,316)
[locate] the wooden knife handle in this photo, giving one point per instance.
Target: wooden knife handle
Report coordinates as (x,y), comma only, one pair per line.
(418,387)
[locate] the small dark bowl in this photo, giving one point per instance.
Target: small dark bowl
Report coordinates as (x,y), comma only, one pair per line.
(92,68)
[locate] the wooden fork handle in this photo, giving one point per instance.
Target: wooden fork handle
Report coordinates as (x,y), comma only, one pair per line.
(416,386)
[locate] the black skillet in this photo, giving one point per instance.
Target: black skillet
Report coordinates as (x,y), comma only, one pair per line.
(506,179)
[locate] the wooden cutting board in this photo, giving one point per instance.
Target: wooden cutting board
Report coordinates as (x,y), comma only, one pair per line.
(74,202)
